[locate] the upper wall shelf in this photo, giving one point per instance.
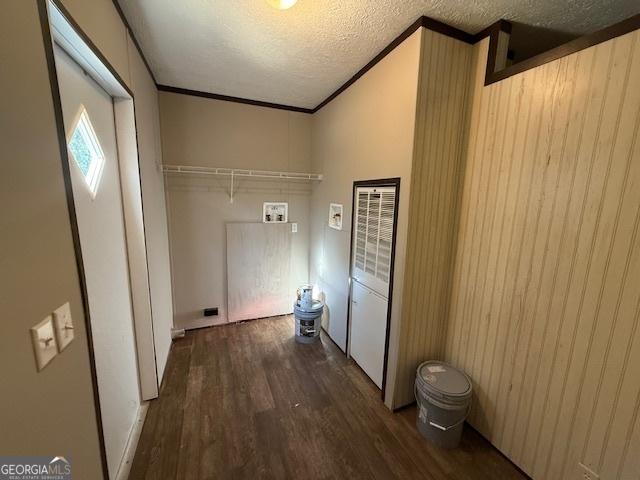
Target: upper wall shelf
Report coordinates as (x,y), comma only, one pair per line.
(236,172)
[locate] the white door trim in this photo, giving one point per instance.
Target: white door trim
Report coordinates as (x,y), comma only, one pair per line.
(67,37)
(382,183)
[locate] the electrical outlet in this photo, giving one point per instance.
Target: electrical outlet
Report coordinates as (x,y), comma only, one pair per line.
(44,342)
(294,228)
(585,473)
(63,326)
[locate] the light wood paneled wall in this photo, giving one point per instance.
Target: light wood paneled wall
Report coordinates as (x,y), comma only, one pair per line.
(443,96)
(545,303)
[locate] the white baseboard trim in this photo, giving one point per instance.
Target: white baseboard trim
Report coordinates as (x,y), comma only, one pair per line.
(204,322)
(132,443)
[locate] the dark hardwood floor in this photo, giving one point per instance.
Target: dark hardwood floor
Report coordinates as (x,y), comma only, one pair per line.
(246,401)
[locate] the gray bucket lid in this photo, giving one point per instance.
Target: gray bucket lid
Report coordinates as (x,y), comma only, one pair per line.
(443,381)
(316,306)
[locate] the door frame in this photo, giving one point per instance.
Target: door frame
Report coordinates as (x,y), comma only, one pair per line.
(381,182)
(53,17)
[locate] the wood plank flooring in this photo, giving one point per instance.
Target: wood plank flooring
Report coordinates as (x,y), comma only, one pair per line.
(246,401)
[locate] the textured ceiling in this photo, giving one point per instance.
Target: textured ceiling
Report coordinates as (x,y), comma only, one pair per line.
(245,48)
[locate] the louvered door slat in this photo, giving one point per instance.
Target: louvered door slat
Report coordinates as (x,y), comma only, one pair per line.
(373,231)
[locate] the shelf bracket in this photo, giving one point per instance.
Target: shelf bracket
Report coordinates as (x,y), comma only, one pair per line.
(231,190)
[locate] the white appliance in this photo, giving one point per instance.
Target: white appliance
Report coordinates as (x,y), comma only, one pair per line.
(370,276)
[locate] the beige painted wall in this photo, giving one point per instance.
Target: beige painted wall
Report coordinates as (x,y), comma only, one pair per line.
(51,412)
(365,133)
(545,303)
(204,132)
(445,70)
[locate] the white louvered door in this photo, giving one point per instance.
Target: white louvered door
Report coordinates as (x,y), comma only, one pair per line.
(370,272)
(373,237)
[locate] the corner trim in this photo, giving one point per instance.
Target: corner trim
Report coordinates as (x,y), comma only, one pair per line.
(424,22)
(124,469)
(146,249)
(573,46)
(492,31)
(385,51)
(499,26)
(227,98)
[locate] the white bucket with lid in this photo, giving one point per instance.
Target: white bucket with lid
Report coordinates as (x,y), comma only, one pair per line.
(443,394)
(308,315)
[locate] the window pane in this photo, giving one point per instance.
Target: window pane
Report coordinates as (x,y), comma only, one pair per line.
(86,151)
(80,151)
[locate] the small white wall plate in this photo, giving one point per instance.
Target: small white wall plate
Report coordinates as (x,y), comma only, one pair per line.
(44,342)
(335,216)
(63,326)
(275,212)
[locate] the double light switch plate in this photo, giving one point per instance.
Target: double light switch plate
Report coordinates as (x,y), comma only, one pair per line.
(44,342)
(52,335)
(63,326)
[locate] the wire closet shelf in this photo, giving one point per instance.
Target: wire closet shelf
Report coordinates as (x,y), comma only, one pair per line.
(237,172)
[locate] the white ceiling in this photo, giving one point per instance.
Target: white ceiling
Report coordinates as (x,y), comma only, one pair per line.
(247,49)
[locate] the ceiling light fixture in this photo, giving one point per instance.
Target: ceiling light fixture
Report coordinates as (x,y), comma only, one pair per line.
(282,4)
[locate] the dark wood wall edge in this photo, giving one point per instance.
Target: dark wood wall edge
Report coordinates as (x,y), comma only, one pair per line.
(573,46)
(134,39)
(227,98)
(493,32)
(501,25)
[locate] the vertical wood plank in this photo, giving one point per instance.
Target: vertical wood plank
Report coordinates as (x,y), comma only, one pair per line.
(443,82)
(542,312)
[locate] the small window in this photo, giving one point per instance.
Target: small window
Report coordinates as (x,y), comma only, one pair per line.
(86,151)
